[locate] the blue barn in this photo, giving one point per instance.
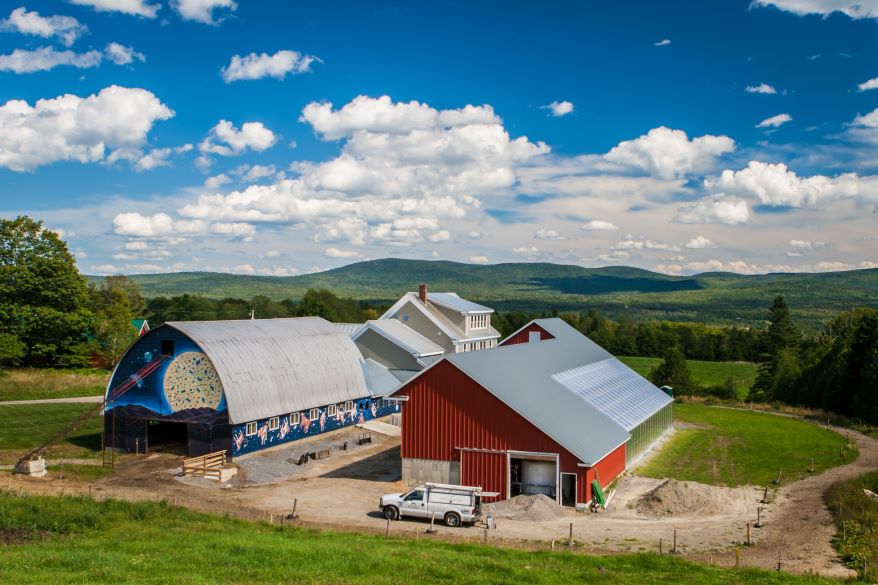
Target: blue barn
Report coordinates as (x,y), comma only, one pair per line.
(241,386)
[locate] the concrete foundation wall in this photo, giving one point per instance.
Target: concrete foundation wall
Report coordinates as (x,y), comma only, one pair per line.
(424,470)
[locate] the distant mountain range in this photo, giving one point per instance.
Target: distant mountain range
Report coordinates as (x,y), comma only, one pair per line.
(536,287)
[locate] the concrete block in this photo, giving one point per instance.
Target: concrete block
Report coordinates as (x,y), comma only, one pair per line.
(33,467)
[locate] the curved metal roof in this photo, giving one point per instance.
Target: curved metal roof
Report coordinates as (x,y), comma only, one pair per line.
(272,366)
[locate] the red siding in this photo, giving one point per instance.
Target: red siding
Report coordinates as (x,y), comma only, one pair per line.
(608,469)
(523,336)
(447,410)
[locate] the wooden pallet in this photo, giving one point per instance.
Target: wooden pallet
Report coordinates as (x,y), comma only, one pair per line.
(210,465)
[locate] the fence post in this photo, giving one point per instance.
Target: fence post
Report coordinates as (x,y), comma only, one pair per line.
(387,529)
(570,538)
(675,543)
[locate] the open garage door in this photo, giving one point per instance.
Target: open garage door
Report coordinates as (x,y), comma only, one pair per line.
(533,474)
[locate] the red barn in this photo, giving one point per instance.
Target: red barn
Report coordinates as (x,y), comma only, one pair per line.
(546,416)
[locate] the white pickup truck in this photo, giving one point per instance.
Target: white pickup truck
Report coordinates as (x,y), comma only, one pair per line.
(453,504)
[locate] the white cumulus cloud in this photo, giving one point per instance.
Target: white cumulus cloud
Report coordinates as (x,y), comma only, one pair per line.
(716,209)
(547,234)
(775,121)
(110,125)
(869,84)
(558,109)
(226,140)
(761,88)
(132,7)
(639,242)
(122,55)
(699,243)
(599,225)
(777,185)
(257,66)
(855,9)
(201,10)
(669,154)
(66,28)
(662,43)
(342,254)
(479,259)
(47,58)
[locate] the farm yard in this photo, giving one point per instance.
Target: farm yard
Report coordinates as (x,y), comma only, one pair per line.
(341,491)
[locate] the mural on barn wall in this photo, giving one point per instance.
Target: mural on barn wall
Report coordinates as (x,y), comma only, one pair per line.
(364,409)
(185,386)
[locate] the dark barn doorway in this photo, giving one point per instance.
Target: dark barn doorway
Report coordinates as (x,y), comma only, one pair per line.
(169,437)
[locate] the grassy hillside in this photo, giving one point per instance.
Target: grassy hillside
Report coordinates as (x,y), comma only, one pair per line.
(713,297)
(705,374)
(731,447)
(77,540)
(35,383)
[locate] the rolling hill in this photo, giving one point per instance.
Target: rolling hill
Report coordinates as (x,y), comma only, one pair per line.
(536,287)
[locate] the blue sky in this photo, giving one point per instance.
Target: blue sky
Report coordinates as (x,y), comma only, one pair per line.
(276,138)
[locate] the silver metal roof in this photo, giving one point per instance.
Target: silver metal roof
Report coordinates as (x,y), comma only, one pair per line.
(523,376)
(273,366)
(380,379)
(615,390)
(403,336)
(452,301)
(351,329)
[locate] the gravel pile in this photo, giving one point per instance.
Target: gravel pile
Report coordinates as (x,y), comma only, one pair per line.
(675,498)
(529,508)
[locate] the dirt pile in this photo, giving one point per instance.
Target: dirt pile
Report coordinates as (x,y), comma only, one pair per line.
(677,498)
(529,508)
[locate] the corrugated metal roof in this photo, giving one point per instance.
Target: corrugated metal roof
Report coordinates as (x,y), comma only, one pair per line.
(404,336)
(615,390)
(523,377)
(380,379)
(350,329)
(453,301)
(272,366)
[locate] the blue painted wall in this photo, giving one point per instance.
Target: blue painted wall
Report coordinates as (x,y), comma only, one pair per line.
(366,409)
(149,393)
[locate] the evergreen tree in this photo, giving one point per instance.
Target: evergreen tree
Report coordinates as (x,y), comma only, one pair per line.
(43,298)
(673,372)
(115,302)
(778,356)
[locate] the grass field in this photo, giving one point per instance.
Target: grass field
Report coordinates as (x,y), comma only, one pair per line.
(705,374)
(34,384)
(856,516)
(733,447)
(25,426)
(119,542)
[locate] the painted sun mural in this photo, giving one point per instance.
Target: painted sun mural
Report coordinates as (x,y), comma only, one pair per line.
(191,381)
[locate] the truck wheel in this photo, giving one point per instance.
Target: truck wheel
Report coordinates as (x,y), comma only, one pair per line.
(452,520)
(391,513)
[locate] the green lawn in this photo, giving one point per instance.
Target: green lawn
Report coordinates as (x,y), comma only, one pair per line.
(705,374)
(34,384)
(24,426)
(856,518)
(739,447)
(121,542)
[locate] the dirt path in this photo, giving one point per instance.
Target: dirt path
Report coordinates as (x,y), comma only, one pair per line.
(799,526)
(71,400)
(342,492)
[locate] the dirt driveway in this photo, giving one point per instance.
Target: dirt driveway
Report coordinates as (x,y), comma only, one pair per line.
(342,491)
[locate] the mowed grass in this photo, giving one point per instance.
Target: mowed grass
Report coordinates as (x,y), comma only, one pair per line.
(25,426)
(705,374)
(77,540)
(35,384)
(731,447)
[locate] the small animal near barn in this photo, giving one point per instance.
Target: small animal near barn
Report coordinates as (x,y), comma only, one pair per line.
(548,412)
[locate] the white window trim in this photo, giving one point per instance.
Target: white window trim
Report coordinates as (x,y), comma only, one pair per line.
(349,406)
(331,410)
(274,423)
(313,416)
(250,425)
(295,418)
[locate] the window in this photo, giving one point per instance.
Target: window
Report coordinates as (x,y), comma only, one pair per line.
(294,419)
(167,347)
(415,496)
(314,414)
(273,423)
(330,410)
(251,429)
(405,316)
(479,321)
(533,336)
(349,405)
